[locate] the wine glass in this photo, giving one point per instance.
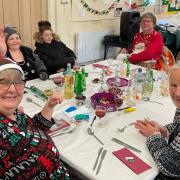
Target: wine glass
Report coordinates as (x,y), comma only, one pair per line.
(59,81)
(100,111)
(118,102)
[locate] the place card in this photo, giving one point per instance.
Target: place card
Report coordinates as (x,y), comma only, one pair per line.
(137,165)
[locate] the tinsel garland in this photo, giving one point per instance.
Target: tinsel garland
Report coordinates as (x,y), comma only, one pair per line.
(106,11)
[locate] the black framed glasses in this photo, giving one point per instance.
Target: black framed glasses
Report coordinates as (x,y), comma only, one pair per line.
(5,84)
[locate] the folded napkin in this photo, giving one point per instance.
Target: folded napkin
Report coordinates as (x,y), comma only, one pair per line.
(100,66)
(131,160)
(61,126)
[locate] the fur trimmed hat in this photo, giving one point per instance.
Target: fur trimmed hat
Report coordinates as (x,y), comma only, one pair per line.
(7,63)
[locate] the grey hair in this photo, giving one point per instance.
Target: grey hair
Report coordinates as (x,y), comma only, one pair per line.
(175,66)
(149,15)
(13,72)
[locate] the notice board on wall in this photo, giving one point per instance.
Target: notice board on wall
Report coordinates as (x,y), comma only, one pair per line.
(174,6)
(87,10)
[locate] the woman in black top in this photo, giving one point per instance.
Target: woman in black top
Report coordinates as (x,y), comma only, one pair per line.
(32,66)
(54,53)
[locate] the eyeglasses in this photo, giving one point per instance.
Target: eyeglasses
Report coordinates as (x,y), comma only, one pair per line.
(19,85)
(146,21)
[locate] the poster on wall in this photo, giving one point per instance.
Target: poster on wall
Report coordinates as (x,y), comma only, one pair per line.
(174,6)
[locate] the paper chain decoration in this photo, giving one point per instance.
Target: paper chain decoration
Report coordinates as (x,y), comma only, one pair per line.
(106,11)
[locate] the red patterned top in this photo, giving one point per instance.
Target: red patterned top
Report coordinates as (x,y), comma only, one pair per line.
(26,150)
(153,47)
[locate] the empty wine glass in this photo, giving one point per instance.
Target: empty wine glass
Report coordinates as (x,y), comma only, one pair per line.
(101,112)
(59,81)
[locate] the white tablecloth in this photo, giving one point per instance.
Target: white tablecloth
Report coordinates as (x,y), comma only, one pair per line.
(79,149)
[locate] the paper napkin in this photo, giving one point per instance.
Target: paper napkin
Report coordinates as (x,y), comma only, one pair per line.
(100,66)
(137,165)
(72,111)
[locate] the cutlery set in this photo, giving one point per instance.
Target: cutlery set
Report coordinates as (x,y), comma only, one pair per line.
(100,157)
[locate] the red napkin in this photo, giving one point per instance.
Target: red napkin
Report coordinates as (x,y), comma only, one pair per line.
(55,128)
(100,66)
(138,166)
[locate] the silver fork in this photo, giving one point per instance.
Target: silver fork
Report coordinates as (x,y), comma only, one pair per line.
(31,100)
(126,126)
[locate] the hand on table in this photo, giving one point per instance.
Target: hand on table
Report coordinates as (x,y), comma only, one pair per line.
(148,128)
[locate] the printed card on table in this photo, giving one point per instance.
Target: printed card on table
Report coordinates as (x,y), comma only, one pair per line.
(137,165)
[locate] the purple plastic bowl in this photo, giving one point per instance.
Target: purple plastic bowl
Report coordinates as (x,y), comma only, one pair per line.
(96,101)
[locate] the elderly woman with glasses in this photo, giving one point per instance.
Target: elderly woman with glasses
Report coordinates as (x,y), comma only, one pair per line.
(26,150)
(148,44)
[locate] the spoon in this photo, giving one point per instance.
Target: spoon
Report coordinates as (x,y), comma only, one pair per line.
(91,132)
(30,100)
(147,99)
(126,126)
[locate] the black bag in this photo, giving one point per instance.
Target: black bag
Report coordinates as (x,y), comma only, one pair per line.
(111,38)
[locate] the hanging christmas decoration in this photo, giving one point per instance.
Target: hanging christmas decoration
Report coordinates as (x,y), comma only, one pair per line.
(106,11)
(135,6)
(94,11)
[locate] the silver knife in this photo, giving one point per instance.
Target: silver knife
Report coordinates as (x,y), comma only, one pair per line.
(126,145)
(102,158)
(93,121)
(97,159)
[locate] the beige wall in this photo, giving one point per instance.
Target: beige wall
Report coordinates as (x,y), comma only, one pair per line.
(24,15)
(60,17)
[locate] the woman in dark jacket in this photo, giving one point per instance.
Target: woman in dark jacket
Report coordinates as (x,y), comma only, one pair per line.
(31,64)
(51,50)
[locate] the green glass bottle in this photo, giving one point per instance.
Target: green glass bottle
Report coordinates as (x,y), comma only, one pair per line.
(78,88)
(83,79)
(38,92)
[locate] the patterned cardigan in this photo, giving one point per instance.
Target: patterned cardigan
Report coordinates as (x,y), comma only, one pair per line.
(167,154)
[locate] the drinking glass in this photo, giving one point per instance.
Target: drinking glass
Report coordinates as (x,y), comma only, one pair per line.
(118,102)
(59,81)
(101,112)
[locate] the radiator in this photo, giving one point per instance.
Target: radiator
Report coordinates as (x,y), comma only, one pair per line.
(89,46)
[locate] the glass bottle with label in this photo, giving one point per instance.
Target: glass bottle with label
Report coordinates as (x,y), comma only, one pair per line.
(164,86)
(68,83)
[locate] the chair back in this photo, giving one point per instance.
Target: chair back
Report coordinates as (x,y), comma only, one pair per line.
(167,59)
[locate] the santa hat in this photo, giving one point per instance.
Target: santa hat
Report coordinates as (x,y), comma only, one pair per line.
(7,63)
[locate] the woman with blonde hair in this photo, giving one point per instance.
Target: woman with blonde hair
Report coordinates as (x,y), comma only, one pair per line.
(53,52)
